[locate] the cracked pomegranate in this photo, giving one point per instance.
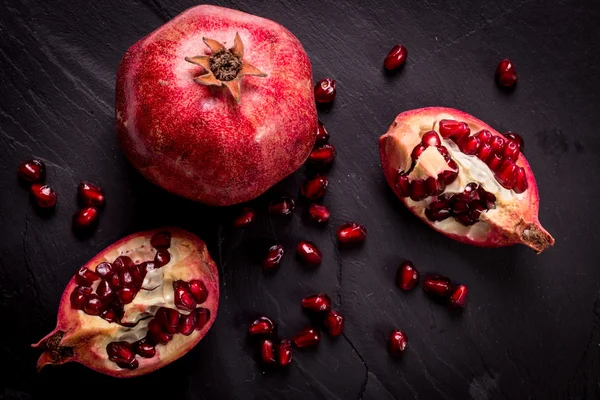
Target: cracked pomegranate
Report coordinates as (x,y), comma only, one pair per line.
(463,178)
(32,171)
(130,300)
(190,105)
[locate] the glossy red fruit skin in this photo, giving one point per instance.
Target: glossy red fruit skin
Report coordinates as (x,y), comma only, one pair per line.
(407,276)
(309,253)
(90,194)
(458,299)
(307,338)
(33,171)
(437,285)
(44,195)
(322,135)
(244,218)
(334,322)
(317,303)
(236,150)
(325,91)
(85,218)
(397,342)
(396,57)
(351,233)
(506,75)
(273,257)
(284,353)
(261,326)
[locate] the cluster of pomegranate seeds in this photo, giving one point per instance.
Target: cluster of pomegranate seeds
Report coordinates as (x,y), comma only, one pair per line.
(314,188)
(407,276)
(273,257)
(91,197)
(318,213)
(44,195)
(32,171)
(270,353)
(283,206)
(333,321)
(244,218)
(309,253)
(325,91)
(397,342)
(441,287)
(506,75)
(351,233)
(465,207)
(395,58)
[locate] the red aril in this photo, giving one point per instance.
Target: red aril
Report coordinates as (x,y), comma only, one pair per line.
(90,194)
(506,75)
(307,338)
(309,253)
(32,171)
(459,296)
(351,232)
(322,135)
(267,352)
(407,276)
(85,218)
(314,188)
(244,218)
(395,58)
(397,342)
(318,213)
(334,322)
(273,257)
(44,195)
(452,129)
(144,348)
(437,285)
(515,137)
(261,326)
(284,353)
(162,240)
(325,91)
(317,303)
(283,206)
(323,155)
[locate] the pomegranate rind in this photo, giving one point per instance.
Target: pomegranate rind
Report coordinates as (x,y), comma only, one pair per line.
(87,336)
(517,223)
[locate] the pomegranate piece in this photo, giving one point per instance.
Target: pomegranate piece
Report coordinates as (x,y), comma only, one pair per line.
(407,276)
(515,137)
(318,213)
(334,322)
(273,257)
(351,232)
(283,206)
(323,155)
(81,333)
(267,352)
(284,353)
(459,297)
(322,135)
(261,326)
(325,91)
(397,342)
(33,171)
(90,194)
(309,253)
(395,58)
(506,75)
(85,218)
(317,303)
(244,218)
(314,188)
(44,195)
(307,338)
(437,285)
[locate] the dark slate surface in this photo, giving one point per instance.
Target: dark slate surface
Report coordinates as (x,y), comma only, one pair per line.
(531,330)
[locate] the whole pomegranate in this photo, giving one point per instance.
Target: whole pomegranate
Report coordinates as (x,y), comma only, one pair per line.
(463,178)
(138,305)
(216,105)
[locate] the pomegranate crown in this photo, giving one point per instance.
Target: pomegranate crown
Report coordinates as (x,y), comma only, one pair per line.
(224,67)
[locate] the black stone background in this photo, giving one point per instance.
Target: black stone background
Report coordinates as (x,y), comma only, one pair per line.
(531,329)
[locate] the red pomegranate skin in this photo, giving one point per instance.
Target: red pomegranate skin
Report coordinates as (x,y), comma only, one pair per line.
(195,140)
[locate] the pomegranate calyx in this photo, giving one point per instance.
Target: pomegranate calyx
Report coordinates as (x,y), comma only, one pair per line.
(224,67)
(54,353)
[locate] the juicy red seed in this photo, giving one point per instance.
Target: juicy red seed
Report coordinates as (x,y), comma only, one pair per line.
(334,322)
(459,297)
(187,324)
(182,296)
(485,152)
(438,285)
(126,278)
(138,272)
(488,198)
(283,206)
(407,276)
(507,174)
(521,183)
(318,213)
(156,334)
(397,342)
(267,352)
(111,315)
(471,189)
(126,294)
(395,58)
(103,269)
(78,296)
(168,318)
(144,349)
(309,253)
(454,130)
(273,257)
(307,337)
(203,315)
(317,303)
(511,150)
(515,137)
(431,138)
(284,353)
(85,218)
(92,305)
(161,240)
(434,186)
(244,218)
(198,290)
(469,145)
(464,219)
(498,144)
(484,136)
(120,352)
(325,91)
(123,262)
(90,194)
(114,280)
(314,188)
(402,184)
(418,190)
(437,215)
(494,162)
(475,210)
(32,171)
(132,365)
(261,326)
(417,151)
(444,152)
(459,207)
(104,291)
(322,134)
(86,277)
(505,73)
(351,232)
(323,155)
(162,258)
(448,176)
(44,195)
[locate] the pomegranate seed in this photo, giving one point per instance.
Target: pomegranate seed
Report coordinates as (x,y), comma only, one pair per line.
(505,73)
(187,324)
(407,276)
(283,206)
(334,322)
(126,294)
(90,194)
(323,155)
(459,297)
(203,315)
(507,174)
(454,130)
(245,218)
(85,218)
(469,145)
(86,277)
(103,269)
(438,285)
(267,352)
(485,152)
(273,257)
(437,215)
(322,134)
(126,278)
(397,342)
(494,162)
(418,190)
(122,262)
(521,183)
(307,337)
(402,184)
(325,91)
(92,305)
(44,196)
(464,219)
(138,273)
(120,352)
(314,188)
(475,210)
(498,144)
(156,334)
(434,186)
(309,253)
(488,198)
(417,151)
(459,207)
(317,303)
(515,137)
(444,152)
(431,138)
(78,296)
(182,297)
(110,315)
(448,176)
(511,150)
(261,326)
(351,232)
(168,319)
(198,290)
(484,136)
(144,349)
(161,240)
(114,280)
(318,213)
(104,291)
(284,353)
(162,258)
(395,58)
(32,171)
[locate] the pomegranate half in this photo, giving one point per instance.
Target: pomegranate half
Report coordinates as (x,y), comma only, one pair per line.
(463,178)
(216,105)
(138,305)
